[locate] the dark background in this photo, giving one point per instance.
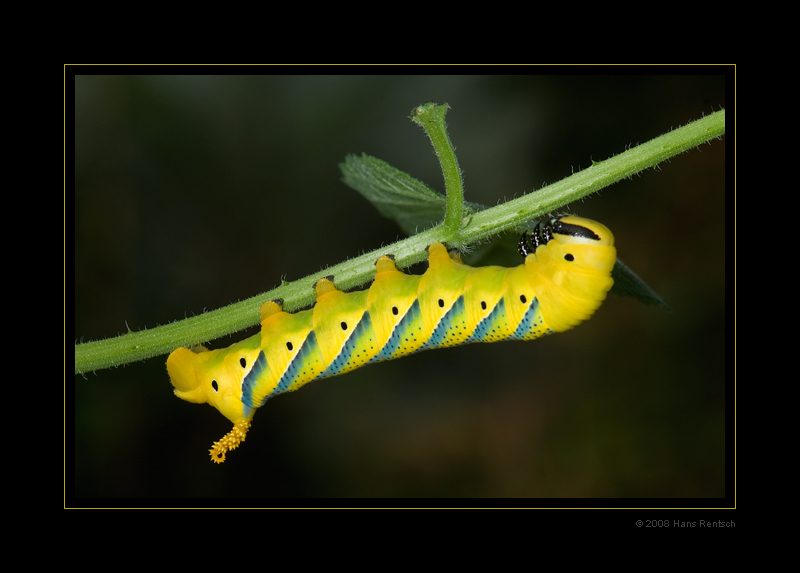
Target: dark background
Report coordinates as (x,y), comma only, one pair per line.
(194,192)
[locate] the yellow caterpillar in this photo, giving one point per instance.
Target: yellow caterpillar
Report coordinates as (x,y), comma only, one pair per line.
(564,279)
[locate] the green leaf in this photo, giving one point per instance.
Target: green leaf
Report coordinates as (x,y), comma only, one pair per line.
(628,283)
(395,194)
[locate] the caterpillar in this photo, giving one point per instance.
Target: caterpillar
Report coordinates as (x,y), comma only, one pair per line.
(564,278)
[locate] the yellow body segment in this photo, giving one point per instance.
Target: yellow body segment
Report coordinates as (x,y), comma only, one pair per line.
(391,295)
(564,279)
(214,376)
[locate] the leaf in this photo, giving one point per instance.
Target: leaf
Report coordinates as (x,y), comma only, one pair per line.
(628,283)
(397,195)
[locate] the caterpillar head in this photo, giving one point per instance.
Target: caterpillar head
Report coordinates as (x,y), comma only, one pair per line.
(215,376)
(569,260)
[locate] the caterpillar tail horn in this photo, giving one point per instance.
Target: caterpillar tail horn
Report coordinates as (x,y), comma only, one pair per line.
(230,441)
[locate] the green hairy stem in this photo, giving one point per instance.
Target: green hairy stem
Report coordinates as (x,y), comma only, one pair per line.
(461,226)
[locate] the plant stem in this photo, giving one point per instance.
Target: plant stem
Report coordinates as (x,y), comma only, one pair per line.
(135,346)
(430,117)
(599,175)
